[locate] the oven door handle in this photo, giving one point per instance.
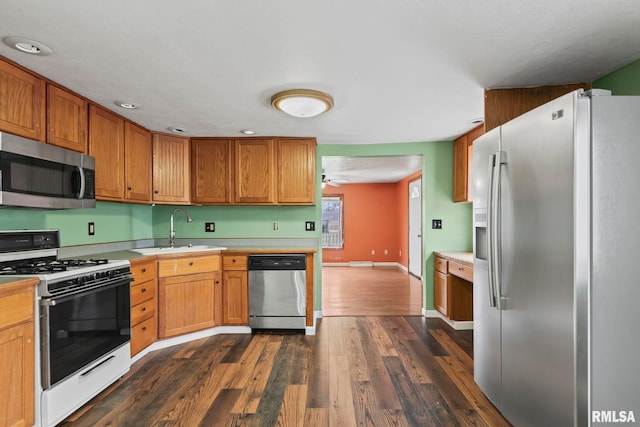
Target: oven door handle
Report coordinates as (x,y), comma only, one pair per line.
(53,300)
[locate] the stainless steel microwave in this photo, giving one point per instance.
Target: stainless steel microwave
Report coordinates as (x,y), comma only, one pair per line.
(38,175)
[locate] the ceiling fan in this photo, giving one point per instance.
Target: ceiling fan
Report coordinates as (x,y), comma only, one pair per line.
(333,182)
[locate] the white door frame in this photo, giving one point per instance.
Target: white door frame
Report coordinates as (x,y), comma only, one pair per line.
(415,227)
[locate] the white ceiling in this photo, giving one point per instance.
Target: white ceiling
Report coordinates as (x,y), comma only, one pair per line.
(358,170)
(399,70)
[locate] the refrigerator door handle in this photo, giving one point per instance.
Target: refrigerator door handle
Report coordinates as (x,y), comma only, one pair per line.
(490,227)
(496,266)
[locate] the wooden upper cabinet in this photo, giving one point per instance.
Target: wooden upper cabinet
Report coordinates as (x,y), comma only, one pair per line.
(211,170)
(22,102)
(462,156)
(170,169)
(66,119)
(106,144)
(137,157)
(255,171)
(296,171)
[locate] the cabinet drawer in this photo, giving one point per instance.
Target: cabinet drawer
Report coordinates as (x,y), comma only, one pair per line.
(143,335)
(192,265)
(461,271)
(440,265)
(16,307)
(143,292)
(143,311)
(234,262)
(144,271)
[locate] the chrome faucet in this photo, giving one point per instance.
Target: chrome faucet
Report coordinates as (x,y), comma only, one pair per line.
(172,231)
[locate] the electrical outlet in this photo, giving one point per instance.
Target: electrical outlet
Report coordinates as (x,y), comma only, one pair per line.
(373,251)
(209,227)
(275,225)
(91,228)
(310,225)
(436,224)
(386,252)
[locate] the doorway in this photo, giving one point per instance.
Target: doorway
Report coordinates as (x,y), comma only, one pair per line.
(415,227)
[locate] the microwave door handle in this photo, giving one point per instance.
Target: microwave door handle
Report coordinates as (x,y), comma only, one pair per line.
(82,182)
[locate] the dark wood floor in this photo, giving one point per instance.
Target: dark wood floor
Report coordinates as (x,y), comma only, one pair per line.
(357,371)
(367,371)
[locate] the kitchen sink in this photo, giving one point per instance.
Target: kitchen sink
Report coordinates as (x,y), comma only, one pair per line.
(158,250)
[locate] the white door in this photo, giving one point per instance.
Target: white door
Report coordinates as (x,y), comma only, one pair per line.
(415,227)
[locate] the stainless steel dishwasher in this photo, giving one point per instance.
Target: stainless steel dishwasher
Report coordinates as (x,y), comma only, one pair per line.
(277,291)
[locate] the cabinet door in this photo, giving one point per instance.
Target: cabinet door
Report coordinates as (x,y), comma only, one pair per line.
(17,375)
(23,108)
(460,169)
(137,158)
(440,292)
(296,171)
(106,144)
(255,171)
(235,298)
(212,171)
(170,169)
(67,119)
(186,304)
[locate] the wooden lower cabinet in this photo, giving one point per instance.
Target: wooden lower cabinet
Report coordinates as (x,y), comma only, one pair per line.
(235,298)
(17,354)
(143,306)
(187,303)
(453,289)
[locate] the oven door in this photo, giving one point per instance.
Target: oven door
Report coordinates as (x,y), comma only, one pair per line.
(77,329)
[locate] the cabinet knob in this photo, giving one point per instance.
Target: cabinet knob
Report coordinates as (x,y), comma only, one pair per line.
(155,191)
(129,188)
(191,263)
(143,290)
(233,260)
(144,308)
(144,270)
(217,282)
(144,328)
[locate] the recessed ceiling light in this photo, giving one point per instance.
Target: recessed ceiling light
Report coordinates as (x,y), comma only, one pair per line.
(302,102)
(26,45)
(477,121)
(248,132)
(175,129)
(128,105)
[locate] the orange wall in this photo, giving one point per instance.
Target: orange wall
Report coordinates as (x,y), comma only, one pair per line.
(375,218)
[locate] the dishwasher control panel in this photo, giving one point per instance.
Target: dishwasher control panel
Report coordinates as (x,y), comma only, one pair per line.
(278,262)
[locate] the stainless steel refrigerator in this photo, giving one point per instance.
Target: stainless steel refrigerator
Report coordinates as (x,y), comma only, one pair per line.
(556,214)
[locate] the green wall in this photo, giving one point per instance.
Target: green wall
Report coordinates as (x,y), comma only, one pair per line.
(625,81)
(113,222)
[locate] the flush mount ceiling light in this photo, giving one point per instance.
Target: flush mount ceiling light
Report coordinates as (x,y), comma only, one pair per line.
(248,132)
(476,121)
(128,105)
(27,46)
(302,102)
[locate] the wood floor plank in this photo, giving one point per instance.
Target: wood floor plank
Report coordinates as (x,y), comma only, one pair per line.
(465,383)
(413,407)
(318,392)
(341,410)
(437,406)
(253,389)
(469,418)
(216,415)
(238,349)
(380,337)
(292,411)
(302,358)
(452,348)
(422,331)
(316,417)
(381,382)
(358,369)
(248,360)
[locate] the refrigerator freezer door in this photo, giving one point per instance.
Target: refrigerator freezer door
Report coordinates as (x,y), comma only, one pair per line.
(537,266)
(486,319)
(616,231)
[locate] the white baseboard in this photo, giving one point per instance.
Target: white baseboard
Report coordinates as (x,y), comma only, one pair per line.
(459,325)
(182,339)
(366,264)
(311,330)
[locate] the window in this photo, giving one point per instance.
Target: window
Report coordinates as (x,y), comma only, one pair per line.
(332,222)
